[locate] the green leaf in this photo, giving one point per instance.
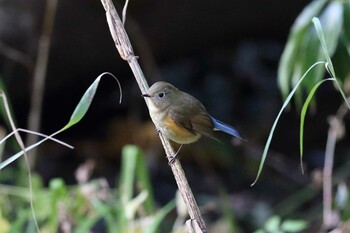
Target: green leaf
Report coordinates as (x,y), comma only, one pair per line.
(86,225)
(346,28)
(144,183)
(331,20)
(126,181)
(20,221)
(310,52)
(85,101)
(105,211)
(19,154)
(58,187)
(159,216)
(329,66)
(304,111)
(285,104)
(127,173)
(293,225)
(135,203)
(77,115)
(322,39)
(273,224)
(332,24)
(291,55)
(341,61)
(304,49)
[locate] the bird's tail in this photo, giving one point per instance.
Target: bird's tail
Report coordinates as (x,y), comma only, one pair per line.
(218,125)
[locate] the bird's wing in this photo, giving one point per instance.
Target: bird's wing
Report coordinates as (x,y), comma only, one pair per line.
(196,121)
(203,124)
(182,121)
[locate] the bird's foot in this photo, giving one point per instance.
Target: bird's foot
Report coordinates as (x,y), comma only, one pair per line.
(172,160)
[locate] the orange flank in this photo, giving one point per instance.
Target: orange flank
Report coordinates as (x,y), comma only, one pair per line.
(177,130)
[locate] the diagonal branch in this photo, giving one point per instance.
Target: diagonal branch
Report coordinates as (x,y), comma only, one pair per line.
(126,52)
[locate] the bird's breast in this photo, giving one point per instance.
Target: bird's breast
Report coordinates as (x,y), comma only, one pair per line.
(169,128)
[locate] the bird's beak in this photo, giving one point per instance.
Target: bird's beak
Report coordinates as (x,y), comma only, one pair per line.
(145,95)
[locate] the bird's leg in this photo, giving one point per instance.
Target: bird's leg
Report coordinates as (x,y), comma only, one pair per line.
(171,161)
(174,157)
(178,150)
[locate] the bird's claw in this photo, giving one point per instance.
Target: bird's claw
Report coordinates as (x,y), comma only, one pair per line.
(172,160)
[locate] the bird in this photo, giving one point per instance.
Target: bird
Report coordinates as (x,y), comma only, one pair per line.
(181,117)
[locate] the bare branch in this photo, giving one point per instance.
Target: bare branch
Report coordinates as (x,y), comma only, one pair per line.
(39,78)
(126,52)
(336,131)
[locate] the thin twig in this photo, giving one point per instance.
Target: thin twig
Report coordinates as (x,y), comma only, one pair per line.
(126,52)
(15,55)
(335,132)
(125,8)
(36,133)
(39,75)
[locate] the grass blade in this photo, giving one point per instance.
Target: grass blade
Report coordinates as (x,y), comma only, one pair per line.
(85,101)
(160,215)
(77,115)
(144,183)
(329,65)
(285,104)
(127,173)
(303,113)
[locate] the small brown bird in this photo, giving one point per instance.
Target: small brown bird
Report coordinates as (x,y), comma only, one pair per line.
(181,117)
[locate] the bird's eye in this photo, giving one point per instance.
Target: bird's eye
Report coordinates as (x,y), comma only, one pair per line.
(161,94)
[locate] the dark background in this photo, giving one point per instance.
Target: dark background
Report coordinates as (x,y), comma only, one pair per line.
(223,52)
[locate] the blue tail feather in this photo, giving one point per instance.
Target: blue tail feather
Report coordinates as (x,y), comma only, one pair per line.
(226,128)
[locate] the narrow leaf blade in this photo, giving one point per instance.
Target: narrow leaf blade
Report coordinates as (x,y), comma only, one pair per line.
(304,110)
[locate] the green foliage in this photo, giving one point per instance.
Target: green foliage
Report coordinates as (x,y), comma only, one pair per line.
(128,208)
(304,111)
(330,68)
(303,47)
(342,201)
(227,212)
(78,113)
(275,225)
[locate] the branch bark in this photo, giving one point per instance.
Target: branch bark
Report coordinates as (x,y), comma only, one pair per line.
(126,52)
(335,132)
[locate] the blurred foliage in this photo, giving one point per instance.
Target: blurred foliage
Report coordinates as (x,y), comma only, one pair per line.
(276,225)
(85,206)
(3,113)
(303,47)
(342,201)
(88,207)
